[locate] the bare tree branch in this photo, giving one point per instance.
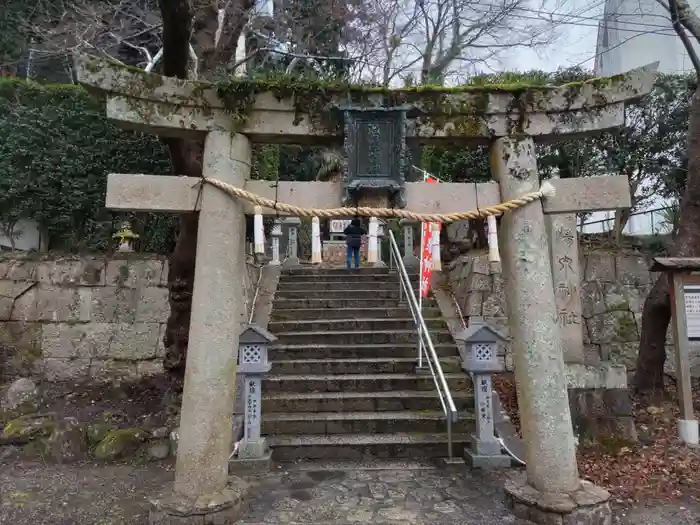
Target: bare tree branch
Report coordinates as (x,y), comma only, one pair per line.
(683,17)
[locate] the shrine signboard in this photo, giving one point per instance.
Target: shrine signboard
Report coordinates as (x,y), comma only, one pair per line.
(691,293)
(684,281)
(339,225)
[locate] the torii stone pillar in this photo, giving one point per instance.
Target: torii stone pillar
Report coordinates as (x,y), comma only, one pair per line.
(550,450)
(409,257)
(206,419)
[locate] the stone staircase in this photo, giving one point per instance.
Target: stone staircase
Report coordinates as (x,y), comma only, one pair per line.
(342,384)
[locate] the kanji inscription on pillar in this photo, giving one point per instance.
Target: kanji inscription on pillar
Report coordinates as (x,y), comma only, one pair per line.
(566,279)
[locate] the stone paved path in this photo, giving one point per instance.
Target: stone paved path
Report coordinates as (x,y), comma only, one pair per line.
(397,497)
(90,494)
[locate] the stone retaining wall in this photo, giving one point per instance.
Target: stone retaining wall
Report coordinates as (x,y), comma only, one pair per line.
(85,317)
(613,288)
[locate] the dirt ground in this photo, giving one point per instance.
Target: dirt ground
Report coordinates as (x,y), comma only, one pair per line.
(657,482)
(657,468)
(149,402)
(91,494)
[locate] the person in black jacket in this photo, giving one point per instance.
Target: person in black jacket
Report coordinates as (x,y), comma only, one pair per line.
(353,239)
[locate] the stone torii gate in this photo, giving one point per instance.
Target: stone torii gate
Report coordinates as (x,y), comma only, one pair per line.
(511,120)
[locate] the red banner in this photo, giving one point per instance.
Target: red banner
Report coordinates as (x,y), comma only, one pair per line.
(426,252)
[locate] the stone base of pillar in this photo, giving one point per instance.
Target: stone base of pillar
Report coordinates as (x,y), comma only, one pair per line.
(587,506)
(227,506)
(486,455)
(688,431)
(379,264)
(291,262)
(411,261)
(250,465)
(422,370)
(253,449)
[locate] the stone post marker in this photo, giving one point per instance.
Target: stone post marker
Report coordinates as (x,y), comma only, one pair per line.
(551,492)
(479,351)
(409,257)
(380,235)
(276,233)
(253,365)
(293,244)
(206,419)
(563,247)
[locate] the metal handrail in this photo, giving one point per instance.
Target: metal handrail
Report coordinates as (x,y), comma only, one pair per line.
(425,343)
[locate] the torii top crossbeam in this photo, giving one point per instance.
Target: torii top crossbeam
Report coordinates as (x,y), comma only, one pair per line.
(292,113)
(278,112)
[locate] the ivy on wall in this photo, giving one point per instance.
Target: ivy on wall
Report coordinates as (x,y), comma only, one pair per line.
(56,151)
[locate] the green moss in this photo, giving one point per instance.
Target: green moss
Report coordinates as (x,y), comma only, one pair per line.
(621,304)
(120,442)
(96,432)
(28,427)
(626,327)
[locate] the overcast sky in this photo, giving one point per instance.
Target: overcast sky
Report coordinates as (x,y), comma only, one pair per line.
(574,45)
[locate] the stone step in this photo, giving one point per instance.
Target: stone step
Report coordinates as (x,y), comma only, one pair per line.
(292,314)
(356,293)
(359,337)
(395,400)
(358,382)
(294,285)
(299,301)
(349,466)
(371,365)
(364,276)
(343,325)
(324,270)
(359,447)
(305,423)
(355,351)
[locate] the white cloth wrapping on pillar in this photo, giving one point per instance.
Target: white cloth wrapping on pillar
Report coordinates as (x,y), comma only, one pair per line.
(494,254)
(258,231)
(372,240)
(316,241)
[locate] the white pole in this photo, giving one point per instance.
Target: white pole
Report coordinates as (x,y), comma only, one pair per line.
(258,231)
(372,241)
(315,241)
(435,246)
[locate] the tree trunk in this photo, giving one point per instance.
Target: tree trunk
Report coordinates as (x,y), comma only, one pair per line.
(622,217)
(656,315)
(649,375)
(186,155)
(186,160)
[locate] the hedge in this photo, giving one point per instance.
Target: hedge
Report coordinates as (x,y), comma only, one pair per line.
(55,153)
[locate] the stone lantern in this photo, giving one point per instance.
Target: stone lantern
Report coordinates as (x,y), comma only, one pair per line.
(479,345)
(276,233)
(252,366)
(126,237)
